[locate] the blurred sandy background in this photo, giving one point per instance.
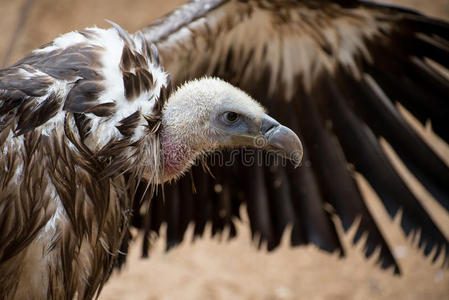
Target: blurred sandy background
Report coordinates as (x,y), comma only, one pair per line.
(210,269)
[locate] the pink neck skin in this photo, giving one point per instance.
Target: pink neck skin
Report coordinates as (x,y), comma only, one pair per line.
(177,156)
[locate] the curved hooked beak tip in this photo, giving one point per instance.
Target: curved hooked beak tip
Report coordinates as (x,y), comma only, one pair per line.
(281,140)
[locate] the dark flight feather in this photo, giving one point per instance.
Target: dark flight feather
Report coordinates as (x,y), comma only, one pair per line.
(333,71)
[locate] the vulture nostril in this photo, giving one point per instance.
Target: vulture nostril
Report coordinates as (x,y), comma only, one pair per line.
(268,125)
(270,130)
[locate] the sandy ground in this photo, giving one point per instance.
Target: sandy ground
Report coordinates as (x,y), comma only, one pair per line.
(210,269)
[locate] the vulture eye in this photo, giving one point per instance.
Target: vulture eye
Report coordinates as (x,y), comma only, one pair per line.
(231,117)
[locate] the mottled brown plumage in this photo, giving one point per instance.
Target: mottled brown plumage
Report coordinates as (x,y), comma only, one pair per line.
(65,197)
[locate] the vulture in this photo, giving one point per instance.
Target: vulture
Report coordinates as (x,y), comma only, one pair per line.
(98,127)
(85,120)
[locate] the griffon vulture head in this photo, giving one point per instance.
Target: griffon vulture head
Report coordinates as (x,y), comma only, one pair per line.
(209,114)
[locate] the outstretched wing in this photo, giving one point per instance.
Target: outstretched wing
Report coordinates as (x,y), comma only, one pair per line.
(336,72)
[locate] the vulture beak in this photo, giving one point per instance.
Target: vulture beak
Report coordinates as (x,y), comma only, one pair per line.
(279,139)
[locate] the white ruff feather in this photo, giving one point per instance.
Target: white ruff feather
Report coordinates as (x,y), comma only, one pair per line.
(103,130)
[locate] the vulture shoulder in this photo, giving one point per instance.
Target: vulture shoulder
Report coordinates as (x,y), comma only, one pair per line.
(339,73)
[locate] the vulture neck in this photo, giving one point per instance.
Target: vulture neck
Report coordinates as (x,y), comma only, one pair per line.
(177,154)
(185,125)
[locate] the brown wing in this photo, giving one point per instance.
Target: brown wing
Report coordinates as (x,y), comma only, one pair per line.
(336,72)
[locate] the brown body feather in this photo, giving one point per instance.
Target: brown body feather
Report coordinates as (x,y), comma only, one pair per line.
(65,201)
